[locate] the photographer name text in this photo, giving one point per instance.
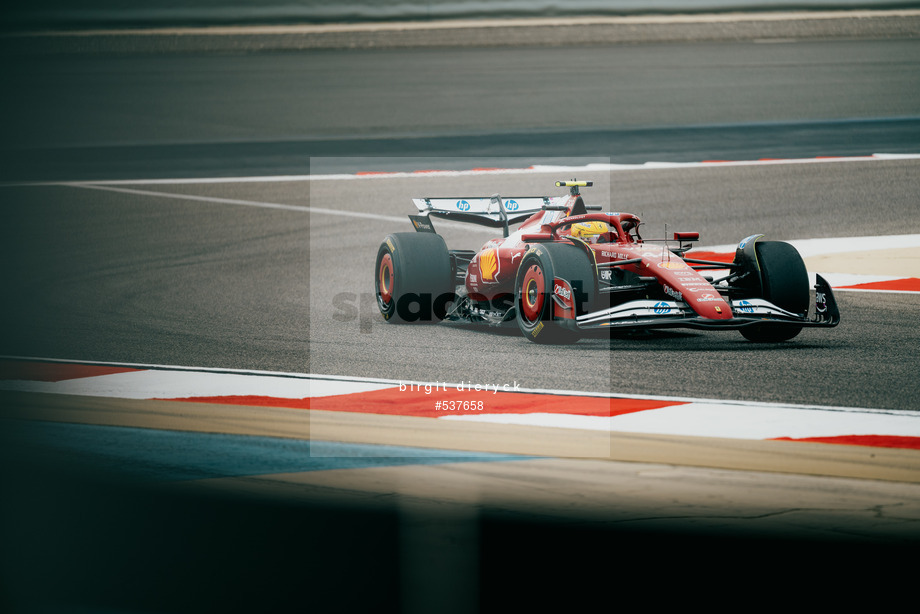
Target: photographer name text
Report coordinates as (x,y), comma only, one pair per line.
(459,387)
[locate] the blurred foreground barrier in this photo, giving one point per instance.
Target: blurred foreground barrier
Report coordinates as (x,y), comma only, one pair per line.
(158,13)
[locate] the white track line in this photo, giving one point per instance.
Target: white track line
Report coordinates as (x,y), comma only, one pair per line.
(807,247)
(267,205)
(536,169)
(344,382)
(208,199)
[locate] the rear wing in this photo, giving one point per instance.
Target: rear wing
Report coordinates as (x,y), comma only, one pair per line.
(494,212)
(489,211)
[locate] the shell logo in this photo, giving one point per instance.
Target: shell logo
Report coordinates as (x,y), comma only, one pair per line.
(672,264)
(488,264)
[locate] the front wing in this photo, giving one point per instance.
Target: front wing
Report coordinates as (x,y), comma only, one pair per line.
(745,312)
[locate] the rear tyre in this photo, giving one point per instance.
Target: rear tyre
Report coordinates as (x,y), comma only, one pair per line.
(784,280)
(534,288)
(413,278)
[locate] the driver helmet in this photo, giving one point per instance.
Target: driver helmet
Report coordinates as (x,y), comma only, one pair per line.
(591,232)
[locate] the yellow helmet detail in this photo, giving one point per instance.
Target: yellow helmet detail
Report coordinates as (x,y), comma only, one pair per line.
(589,229)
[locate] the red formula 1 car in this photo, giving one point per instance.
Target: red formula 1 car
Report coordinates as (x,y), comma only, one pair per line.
(570,268)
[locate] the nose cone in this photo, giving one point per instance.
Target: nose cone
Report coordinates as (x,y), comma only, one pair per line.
(710,305)
(682,283)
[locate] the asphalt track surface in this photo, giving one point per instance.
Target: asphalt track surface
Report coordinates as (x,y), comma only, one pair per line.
(128,116)
(241,275)
(142,274)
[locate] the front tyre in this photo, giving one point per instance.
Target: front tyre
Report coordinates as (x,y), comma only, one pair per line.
(413,278)
(533,292)
(784,282)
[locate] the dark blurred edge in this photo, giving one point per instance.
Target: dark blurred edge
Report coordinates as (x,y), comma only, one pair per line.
(192,36)
(81,541)
(63,14)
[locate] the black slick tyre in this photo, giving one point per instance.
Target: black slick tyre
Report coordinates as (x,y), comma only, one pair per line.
(784,280)
(413,279)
